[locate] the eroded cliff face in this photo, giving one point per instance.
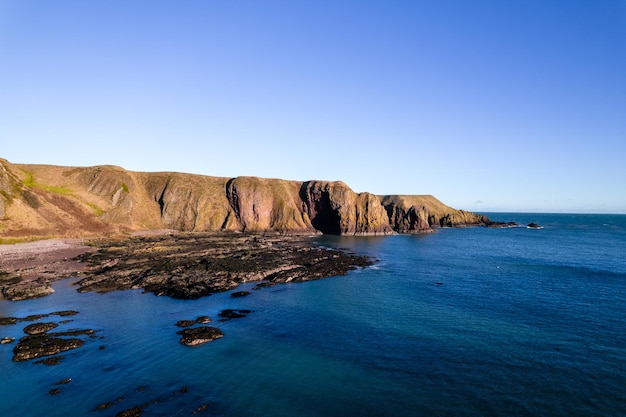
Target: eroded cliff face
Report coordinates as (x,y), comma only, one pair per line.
(45,200)
(407,216)
(267,204)
(335,209)
(190,202)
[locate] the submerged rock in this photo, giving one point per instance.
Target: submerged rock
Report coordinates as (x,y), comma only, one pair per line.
(64,313)
(132,412)
(201,408)
(234,314)
(199,335)
(7,321)
(34,317)
(7,340)
(185,323)
(239,294)
(109,404)
(51,361)
(63,381)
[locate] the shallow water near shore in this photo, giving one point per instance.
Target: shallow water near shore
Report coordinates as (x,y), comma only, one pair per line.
(464,322)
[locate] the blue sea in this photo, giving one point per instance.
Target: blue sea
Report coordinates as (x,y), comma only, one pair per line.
(463,322)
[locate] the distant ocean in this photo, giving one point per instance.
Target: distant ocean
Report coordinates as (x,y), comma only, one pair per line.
(463,322)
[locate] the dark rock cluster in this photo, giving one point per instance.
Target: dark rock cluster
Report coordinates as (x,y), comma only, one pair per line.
(39,328)
(39,342)
(18,291)
(31,347)
(193,336)
(199,335)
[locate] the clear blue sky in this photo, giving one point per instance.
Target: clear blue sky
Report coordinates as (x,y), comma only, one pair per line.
(488,105)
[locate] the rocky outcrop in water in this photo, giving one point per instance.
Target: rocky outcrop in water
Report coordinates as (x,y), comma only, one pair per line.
(31,347)
(39,328)
(501,225)
(199,335)
(39,342)
(44,200)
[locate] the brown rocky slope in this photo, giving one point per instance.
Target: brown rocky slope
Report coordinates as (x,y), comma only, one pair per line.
(38,201)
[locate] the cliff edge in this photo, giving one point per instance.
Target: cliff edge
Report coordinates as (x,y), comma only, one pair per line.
(38,201)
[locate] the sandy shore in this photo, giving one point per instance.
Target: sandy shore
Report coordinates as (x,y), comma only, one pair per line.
(32,256)
(31,266)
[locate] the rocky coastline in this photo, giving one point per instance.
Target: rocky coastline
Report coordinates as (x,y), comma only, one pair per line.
(196,231)
(178,235)
(178,265)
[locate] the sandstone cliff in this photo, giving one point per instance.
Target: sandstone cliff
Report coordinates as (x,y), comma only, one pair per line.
(420,213)
(335,209)
(46,200)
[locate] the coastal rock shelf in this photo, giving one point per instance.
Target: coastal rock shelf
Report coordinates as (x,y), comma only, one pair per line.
(189,266)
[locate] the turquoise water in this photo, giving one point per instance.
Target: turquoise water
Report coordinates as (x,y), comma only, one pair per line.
(464,322)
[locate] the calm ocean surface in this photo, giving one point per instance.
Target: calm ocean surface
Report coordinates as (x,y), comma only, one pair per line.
(464,322)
